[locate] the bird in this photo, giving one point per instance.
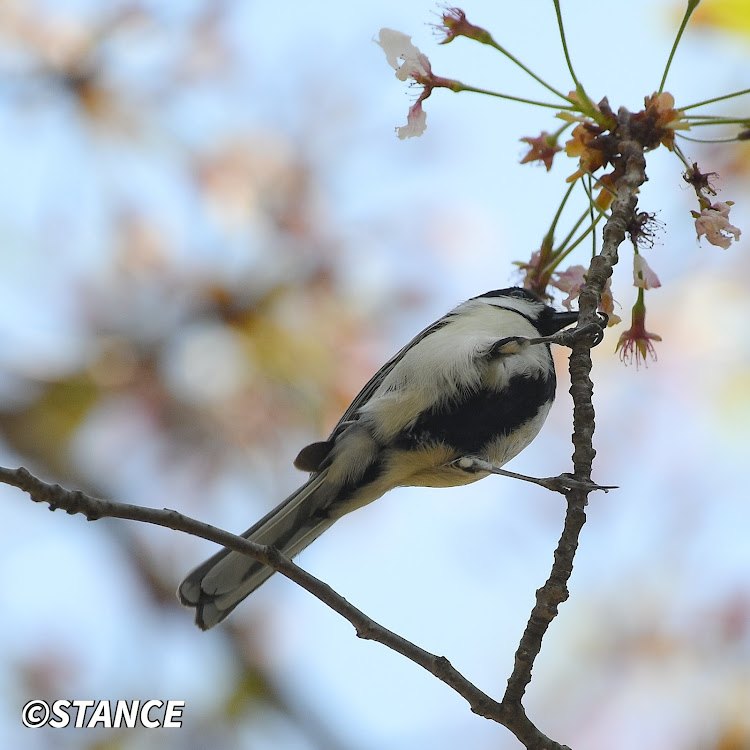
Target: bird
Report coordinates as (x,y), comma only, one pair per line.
(461,399)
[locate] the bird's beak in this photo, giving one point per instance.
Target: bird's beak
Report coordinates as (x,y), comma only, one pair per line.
(559,320)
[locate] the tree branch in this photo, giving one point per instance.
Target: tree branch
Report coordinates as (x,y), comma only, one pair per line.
(555,590)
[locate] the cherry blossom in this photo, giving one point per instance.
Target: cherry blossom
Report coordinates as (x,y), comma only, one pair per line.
(714,223)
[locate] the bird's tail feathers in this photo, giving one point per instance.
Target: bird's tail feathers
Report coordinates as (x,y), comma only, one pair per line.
(219,584)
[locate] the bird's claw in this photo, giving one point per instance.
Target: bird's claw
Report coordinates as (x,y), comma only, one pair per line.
(566,482)
(592,331)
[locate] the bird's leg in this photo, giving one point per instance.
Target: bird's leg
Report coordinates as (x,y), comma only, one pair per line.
(593,331)
(562,483)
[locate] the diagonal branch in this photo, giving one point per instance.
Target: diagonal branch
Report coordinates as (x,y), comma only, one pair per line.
(77,502)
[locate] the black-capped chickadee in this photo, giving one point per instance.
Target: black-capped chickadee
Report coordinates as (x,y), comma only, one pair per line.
(466,394)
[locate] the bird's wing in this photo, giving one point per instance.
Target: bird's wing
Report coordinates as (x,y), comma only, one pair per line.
(374,382)
(313,457)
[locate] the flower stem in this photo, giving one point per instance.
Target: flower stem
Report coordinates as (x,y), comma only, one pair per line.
(586,105)
(681,156)
(718,121)
(583,236)
(707,140)
(691,6)
(553,226)
(588,189)
(565,43)
(561,247)
(563,251)
(492,43)
(561,130)
(716,99)
(458,86)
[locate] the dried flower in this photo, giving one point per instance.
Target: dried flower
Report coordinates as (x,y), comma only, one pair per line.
(656,123)
(702,183)
(642,229)
(582,144)
(543,149)
(608,187)
(608,305)
(455,25)
(531,272)
(593,145)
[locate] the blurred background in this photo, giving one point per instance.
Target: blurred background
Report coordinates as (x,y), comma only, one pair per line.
(211,238)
